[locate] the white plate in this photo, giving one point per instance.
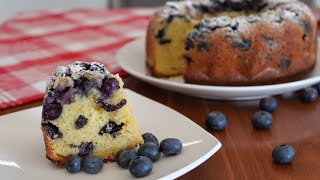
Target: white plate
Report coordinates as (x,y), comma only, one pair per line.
(22,151)
(132,59)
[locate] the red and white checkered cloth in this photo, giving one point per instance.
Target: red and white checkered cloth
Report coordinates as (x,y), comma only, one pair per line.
(33,44)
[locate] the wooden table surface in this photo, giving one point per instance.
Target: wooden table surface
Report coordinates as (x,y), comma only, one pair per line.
(245,152)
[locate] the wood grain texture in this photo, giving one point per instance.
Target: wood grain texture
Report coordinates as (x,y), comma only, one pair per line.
(245,152)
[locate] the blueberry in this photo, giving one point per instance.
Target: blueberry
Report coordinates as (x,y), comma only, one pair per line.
(150,150)
(216,121)
(85,149)
(51,111)
(171,146)
(242,45)
(111,107)
(262,120)
(164,41)
(73,164)
(285,63)
(52,130)
(92,164)
(148,137)
(283,154)
(269,104)
(111,127)
(140,166)
(308,95)
(109,86)
(81,122)
(65,96)
(317,87)
(124,157)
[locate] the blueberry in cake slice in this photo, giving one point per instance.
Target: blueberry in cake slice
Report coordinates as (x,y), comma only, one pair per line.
(85,112)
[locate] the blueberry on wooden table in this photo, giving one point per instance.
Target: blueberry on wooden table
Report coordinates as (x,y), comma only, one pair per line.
(150,150)
(171,146)
(216,121)
(269,104)
(92,164)
(140,166)
(149,137)
(308,95)
(73,164)
(283,154)
(124,157)
(262,120)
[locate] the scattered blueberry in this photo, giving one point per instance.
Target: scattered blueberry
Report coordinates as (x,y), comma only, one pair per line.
(150,150)
(148,137)
(317,87)
(216,121)
(92,164)
(140,166)
(308,95)
(171,146)
(73,164)
(269,104)
(283,154)
(81,122)
(262,120)
(124,157)
(51,111)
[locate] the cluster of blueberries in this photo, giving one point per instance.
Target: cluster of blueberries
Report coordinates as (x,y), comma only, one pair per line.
(139,163)
(282,154)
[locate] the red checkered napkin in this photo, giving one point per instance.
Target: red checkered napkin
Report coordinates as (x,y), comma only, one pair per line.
(33,44)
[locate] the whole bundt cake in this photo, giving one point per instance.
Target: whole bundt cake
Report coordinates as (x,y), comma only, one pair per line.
(232,42)
(85,112)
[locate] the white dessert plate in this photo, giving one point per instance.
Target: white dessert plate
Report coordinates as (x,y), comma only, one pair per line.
(22,150)
(131,58)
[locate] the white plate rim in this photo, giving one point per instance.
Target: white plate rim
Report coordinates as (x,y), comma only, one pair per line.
(183,169)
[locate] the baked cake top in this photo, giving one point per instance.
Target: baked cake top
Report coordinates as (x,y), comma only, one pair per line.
(82,78)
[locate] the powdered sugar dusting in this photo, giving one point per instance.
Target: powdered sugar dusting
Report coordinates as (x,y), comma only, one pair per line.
(64,76)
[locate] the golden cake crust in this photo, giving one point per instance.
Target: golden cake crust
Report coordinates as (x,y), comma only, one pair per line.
(279,44)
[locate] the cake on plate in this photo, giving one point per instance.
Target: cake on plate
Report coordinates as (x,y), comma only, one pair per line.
(232,42)
(85,112)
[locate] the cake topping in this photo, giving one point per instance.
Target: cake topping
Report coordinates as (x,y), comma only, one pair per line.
(111,128)
(85,149)
(52,130)
(81,122)
(77,74)
(276,12)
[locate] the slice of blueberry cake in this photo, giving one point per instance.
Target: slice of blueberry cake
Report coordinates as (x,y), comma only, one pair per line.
(85,112)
